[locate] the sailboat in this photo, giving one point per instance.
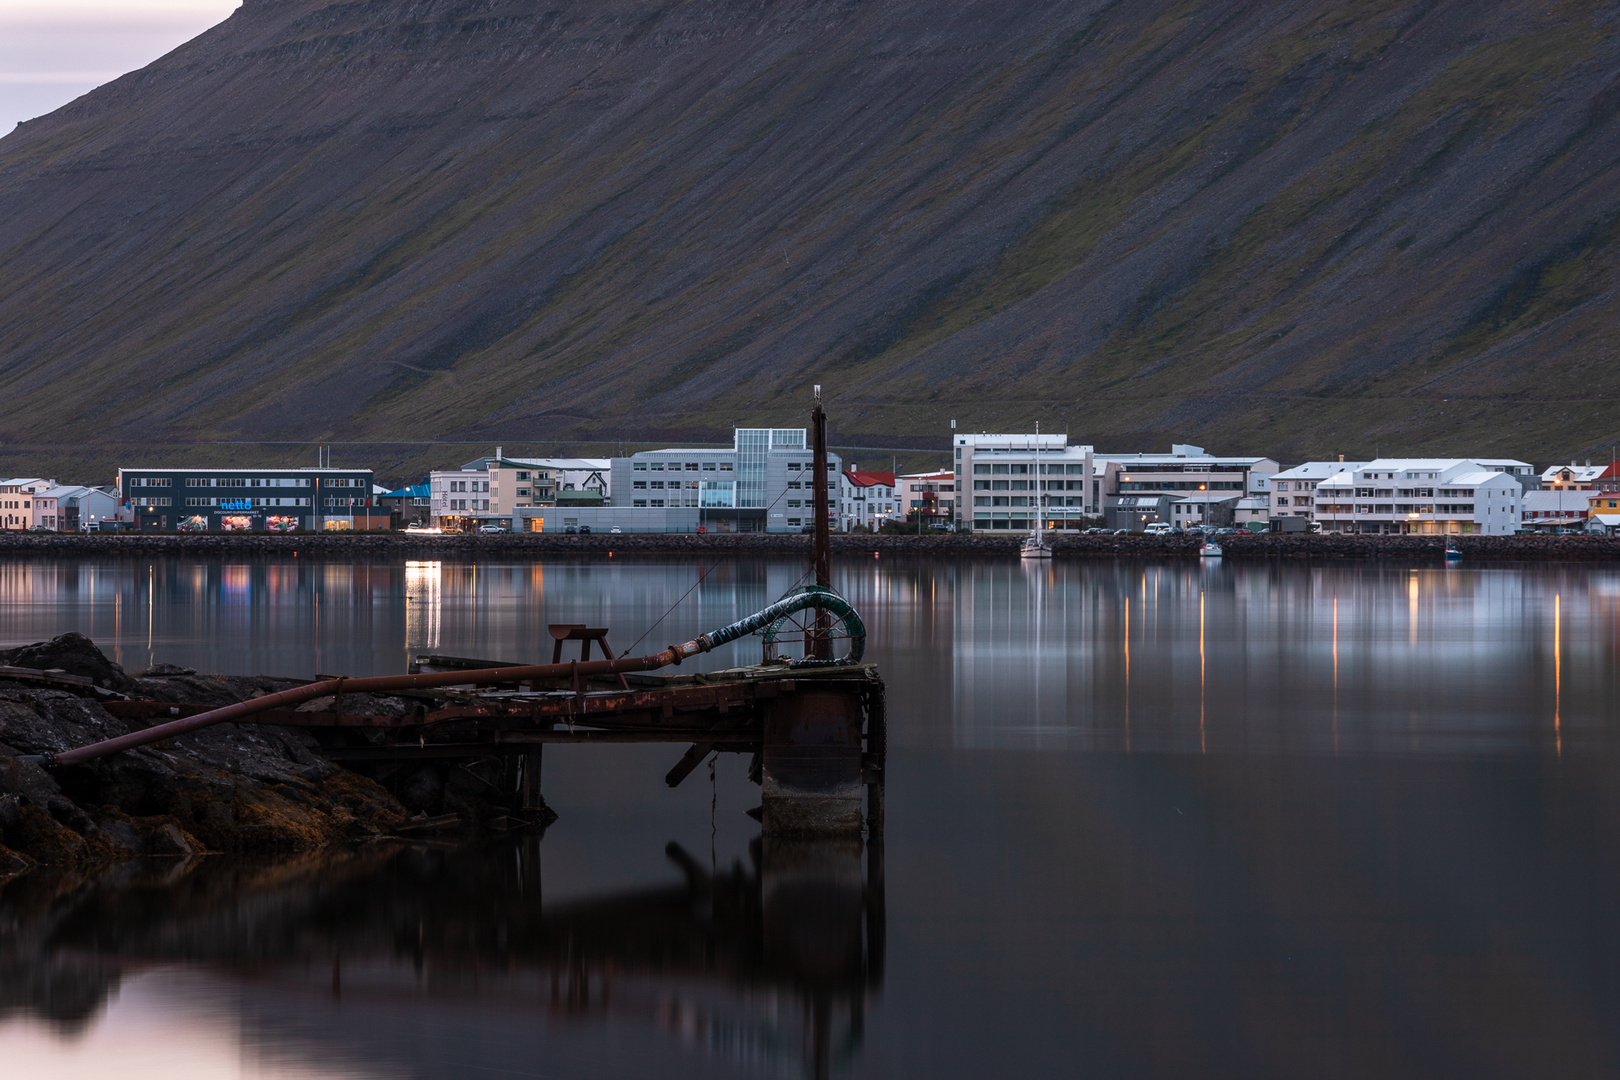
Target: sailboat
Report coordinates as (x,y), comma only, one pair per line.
(1036,547)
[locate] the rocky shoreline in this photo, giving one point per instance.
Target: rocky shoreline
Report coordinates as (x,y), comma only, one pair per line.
(238,788)
(399,545)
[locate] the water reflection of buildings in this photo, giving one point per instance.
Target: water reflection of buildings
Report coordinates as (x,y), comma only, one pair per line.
(1259,657)
(423,600)
(767,969)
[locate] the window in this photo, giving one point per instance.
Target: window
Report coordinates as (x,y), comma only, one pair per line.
(658,485)
(658,466)
(638,502)
(981,485)
(998,470)
(793,504)
(793,485)
(981,500)
(639,466)
(795,465)
(657,502)
(725,466)
(981,469)
(522,476)
(1000,485)
(708,466)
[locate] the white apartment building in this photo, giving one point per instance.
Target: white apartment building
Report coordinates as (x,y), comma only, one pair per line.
(458,497)
(1424,496)
(866,498)
(931,494)
(1003,481)
(1293,491)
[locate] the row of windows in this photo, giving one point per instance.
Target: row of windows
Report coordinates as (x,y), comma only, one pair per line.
(1396,508)
(675,466)
(1022,500)
(1025,470)
(201,500)
(462,504)
(149,500)
(1029,485)
(461,485)
(658,485)
(1182,485)
(246,482)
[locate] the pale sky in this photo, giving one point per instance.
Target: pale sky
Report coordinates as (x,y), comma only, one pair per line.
(50,53)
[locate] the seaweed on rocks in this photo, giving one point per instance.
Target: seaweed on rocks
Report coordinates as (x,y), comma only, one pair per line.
(236,788)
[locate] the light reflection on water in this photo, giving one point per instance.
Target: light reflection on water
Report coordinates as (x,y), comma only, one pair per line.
(1156,819)
(1176,657)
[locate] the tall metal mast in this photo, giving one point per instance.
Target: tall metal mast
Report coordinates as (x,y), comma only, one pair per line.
(823,544)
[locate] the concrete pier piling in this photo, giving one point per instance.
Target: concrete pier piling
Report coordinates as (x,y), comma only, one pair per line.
(810,784)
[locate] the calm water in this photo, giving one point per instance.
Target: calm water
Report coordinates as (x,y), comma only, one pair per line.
(1142,820)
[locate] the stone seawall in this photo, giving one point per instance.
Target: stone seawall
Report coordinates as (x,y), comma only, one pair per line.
(390,546)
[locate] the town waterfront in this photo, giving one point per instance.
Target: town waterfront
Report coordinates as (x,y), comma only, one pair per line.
(1144,818)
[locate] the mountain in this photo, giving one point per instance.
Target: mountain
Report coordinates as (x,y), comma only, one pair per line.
(1292,228)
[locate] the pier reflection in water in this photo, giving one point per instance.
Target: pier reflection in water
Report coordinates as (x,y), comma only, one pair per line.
(1143,819)
(441,959)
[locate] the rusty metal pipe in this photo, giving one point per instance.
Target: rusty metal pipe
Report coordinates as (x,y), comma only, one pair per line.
(376,684)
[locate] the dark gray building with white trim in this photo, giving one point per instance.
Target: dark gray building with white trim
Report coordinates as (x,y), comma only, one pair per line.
(276,499)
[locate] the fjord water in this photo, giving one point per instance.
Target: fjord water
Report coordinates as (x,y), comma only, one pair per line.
(1143,819)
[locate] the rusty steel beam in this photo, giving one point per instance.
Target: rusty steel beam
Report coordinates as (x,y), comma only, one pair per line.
(374,685)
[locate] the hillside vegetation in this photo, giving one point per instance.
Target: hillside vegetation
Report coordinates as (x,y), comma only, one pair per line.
(1301,229)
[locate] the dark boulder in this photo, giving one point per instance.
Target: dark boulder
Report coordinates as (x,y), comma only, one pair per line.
(73,653)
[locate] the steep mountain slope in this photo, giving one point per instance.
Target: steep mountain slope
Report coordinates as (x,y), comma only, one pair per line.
(1295,228)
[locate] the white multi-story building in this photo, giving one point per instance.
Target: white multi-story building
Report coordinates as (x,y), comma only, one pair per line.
(1293,491)
(459,497)
(1424,496)
(1004,481)
(866,498)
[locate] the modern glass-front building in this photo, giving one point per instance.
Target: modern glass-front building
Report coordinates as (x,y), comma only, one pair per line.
(279,500)
(764,483)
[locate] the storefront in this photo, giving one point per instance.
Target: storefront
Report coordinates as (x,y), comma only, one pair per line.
(246,500)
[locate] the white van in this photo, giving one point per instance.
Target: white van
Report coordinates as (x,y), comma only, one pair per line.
(1157,528)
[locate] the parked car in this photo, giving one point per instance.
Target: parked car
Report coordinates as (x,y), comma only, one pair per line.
(701,529)
(942,526)
(488,530)
(570,529)
(584,528)
(807,529)
(615,529)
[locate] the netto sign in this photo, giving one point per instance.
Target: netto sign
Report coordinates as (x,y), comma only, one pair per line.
(236,504)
